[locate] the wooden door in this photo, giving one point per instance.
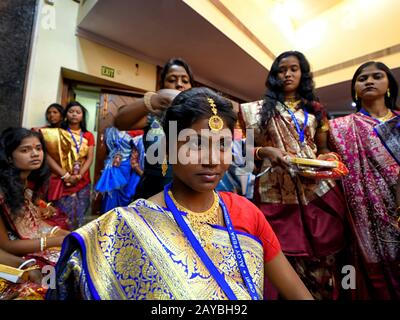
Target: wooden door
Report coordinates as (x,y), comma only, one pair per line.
(109,105)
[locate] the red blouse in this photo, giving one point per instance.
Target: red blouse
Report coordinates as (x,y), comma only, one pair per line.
(246,217)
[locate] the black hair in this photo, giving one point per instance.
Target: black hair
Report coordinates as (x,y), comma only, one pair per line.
(65,123)
(192,105)
(390,102)
(11,184)
(275,93)
(57,106)
(175,62)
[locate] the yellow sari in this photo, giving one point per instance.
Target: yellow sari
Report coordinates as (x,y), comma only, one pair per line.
(61,147)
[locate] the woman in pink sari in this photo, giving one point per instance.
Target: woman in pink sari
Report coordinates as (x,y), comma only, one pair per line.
(370,187)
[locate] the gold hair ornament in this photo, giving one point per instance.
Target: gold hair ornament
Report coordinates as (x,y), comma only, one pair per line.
(215,122)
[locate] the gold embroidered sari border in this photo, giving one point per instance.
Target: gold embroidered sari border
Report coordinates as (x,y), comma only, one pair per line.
(100,271)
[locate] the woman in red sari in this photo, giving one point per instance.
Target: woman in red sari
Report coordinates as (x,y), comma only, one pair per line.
(370,187)
(24,230)
(306,214)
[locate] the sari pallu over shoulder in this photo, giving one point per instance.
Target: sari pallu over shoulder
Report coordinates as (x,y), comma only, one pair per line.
(373,170)
(370,194)
(278,187)
(61,147)
(389,133)
(139,252)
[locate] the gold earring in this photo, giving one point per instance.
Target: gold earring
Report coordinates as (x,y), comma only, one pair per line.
(164,167)
(356,97)
(388,93)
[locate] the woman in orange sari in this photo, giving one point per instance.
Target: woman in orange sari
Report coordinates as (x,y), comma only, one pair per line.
(306,214)
(70,155)
(23,227)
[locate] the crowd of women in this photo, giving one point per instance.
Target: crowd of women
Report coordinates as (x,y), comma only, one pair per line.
(175,229)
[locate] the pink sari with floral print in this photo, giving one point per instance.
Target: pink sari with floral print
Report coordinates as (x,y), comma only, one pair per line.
(369,189)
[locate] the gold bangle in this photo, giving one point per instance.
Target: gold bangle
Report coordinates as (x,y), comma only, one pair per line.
(257,150)
(44,243)
(147,102)
(54,230)
(41,244)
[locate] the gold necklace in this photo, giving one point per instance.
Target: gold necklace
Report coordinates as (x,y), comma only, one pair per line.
(386,117)
(292,104)
(200,221)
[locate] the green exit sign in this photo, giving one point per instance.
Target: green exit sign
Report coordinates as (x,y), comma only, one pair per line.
(107,71)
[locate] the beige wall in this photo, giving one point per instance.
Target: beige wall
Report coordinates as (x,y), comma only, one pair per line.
(56,46)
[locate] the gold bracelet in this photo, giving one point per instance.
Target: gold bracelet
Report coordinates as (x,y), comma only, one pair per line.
(41,243)
(147,102)
(256,151)
(54,230)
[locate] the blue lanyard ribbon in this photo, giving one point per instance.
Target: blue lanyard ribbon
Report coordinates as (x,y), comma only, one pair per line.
(302,131)
(76,143)
(215,273)
(244,270)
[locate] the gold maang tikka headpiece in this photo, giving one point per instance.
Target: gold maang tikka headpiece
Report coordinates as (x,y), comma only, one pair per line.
(215,122)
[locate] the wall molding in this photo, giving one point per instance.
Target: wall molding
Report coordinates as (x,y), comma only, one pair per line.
(359,60)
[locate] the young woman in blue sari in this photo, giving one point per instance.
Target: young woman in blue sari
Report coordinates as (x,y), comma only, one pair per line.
(188,241)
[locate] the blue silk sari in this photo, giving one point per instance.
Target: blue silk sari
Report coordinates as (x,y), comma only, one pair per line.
(139,252)
(118,184)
